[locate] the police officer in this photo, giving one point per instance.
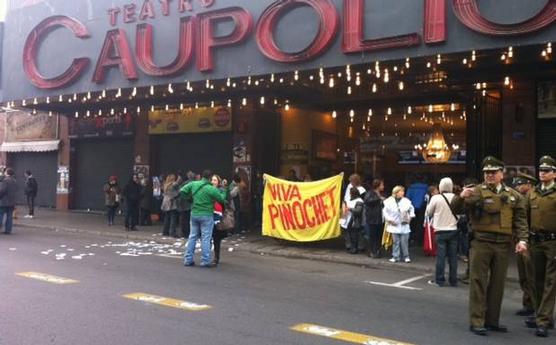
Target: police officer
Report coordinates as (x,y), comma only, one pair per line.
(496,213)
(524,183)
(542,206)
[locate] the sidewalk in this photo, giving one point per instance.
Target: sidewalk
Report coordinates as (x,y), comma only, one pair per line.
(327,251)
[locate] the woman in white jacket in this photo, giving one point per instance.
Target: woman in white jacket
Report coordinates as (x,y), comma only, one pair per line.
(445,224)
(398,212)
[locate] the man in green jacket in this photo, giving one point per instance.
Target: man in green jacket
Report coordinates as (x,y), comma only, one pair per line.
(203,195)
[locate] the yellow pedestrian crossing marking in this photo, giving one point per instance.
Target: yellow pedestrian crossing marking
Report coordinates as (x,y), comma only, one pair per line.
(47,278)
(167,302)
(346,336)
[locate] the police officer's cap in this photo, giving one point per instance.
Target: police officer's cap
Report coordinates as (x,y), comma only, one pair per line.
(522,179)
(491,163)
(547,163)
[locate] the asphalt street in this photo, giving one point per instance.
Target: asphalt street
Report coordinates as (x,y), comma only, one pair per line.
(60,288)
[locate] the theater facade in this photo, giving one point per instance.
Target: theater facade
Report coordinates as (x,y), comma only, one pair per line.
(401,90)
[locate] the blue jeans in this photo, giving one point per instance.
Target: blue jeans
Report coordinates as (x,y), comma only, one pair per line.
(401,246)
(9,212)
(446,248)
(202,225)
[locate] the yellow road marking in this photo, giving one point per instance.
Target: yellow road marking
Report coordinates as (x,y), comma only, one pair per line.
(167,302)
(47,278)
(346,336)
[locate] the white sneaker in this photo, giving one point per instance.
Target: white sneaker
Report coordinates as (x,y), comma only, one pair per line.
(407,260)
(27,216)
(393,260)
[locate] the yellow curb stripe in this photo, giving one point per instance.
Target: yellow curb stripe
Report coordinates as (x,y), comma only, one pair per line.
(346,336)
(167,302)
(47,278)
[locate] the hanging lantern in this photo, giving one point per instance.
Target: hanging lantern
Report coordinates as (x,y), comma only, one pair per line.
(437,149)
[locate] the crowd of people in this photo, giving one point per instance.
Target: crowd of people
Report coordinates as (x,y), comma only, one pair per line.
(166,199)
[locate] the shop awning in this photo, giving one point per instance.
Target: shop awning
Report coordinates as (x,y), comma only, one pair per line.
(31,146)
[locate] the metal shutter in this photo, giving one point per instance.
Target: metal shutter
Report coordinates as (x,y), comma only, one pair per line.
(44,166)
(95,161)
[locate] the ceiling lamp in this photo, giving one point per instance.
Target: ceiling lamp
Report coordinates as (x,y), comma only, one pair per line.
(437,150)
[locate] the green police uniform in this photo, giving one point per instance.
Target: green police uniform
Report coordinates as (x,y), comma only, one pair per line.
(524,262)
(496,214)
(542,207)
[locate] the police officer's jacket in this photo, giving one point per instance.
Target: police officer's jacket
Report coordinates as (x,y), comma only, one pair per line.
(542,205)
(497,213)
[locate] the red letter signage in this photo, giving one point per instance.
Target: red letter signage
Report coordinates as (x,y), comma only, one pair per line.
(31,50)
(435,21)
(115,53)
(328,26)
(469,14)
(145,54)
(354,42)
(243,23)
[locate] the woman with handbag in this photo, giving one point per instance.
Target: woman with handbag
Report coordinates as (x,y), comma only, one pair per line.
(112,196)
(222,222)
(355,223)
(398,212)
(170,205)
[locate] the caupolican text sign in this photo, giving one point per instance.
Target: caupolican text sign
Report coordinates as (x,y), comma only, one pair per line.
(302,211)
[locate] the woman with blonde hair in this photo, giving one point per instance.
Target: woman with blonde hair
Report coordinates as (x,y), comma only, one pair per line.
(398,212)
(170,205)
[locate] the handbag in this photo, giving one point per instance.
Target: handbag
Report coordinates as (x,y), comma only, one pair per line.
(228,220)
(429,244)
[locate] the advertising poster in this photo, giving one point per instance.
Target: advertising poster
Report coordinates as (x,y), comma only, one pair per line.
(201,120)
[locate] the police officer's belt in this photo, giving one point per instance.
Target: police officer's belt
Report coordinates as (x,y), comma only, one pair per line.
(542,236)
(492,237)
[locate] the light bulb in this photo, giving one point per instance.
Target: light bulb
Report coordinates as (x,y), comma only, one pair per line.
(151,91)
(334,114)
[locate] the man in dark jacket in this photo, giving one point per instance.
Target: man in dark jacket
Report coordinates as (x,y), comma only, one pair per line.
(373,217)
(31,189)
(8,190)
(132,195)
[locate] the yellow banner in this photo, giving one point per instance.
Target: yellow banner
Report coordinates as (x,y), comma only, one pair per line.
(302,211)
(190,120)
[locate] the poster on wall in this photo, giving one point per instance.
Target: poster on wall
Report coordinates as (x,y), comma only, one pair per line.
(63,180)
(201,120)
(119,125)
(20,126)
(325,146)
(547,100)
